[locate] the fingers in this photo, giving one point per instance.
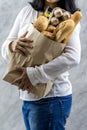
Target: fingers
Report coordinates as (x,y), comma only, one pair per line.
(25,44)
(27,88)
(19,68)
(22,85)
(16,80)
(24,34)
(21,50)
(23,81)
(26,40)
(21,47)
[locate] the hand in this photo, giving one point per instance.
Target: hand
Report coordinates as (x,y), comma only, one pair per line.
(20,44)
(23,81)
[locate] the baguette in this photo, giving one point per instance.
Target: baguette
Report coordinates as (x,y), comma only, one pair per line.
(76,17)
(63,30)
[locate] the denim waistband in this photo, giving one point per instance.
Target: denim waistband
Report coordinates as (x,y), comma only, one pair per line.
(51,99)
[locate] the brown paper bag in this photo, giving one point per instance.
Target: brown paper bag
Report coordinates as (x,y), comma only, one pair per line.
(44,50)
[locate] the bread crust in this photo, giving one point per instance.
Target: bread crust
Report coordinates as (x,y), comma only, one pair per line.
(41,23)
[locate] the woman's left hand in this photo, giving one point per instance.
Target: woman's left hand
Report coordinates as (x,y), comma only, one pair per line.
(23,81)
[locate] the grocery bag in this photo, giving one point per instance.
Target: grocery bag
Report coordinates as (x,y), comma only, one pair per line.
(43,51)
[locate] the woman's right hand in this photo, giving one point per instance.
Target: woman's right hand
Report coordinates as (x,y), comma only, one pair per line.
(21,44)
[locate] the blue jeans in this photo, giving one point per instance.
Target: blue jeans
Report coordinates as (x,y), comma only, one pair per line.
(47,114)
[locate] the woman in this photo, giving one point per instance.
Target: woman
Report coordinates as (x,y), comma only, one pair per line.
(52,111)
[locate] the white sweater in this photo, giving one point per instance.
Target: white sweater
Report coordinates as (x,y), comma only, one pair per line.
(56,69)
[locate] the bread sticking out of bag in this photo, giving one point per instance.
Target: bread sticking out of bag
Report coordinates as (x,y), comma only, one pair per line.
(50,32)
(54,21)
(55,15)
(51,28)
(63,30)
(58,12)
(66,15)
(54,29)
(41,23)
(76,17)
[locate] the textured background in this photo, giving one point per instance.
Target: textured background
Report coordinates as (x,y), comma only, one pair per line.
(10,104)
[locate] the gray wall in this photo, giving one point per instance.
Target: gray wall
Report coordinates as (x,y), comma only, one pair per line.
(10,104)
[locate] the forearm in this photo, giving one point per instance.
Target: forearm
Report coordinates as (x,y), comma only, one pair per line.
(49,71)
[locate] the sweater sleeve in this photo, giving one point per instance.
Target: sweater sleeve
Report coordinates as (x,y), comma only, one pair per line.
(67,60)
(13,35)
